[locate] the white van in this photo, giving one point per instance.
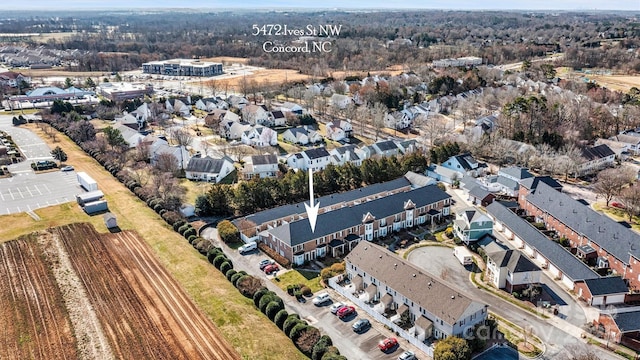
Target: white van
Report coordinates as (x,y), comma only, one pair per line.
(247,247)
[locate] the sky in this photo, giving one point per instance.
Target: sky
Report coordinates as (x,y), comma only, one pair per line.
(330,4)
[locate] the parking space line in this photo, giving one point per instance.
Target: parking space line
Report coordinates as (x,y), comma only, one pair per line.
(36,186)
(20,192)
(46,188)
(2,196)
(10,193)
(29,190)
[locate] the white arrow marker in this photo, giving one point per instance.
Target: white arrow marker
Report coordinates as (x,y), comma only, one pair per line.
(312,209)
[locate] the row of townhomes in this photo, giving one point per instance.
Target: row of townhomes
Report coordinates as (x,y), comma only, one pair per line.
(345,219)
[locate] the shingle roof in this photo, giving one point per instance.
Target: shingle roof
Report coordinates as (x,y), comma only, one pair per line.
(386,145)
(628,321)
(571,266)
(316,153)
(513,260)
(264,159)
(532,182)
(299,232)
(205,165)
(516,172)
(607,285)
(288,210)
(426,290)
(597,152)
(600,229)
(479,192)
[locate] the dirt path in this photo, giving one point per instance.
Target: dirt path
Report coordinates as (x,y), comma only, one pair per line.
(92,342)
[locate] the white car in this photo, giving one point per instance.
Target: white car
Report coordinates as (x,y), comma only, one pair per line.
(321,299)
(407,355)
(336,306)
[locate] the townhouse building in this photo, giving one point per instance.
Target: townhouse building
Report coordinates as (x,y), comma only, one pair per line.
(341,229)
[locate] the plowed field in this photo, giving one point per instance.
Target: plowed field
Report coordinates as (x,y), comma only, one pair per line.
(141,311)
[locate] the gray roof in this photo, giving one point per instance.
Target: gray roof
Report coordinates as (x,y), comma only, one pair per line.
(426,290)
(264,159)
(570,265)
(516,172)
(628,321)
(508,183)
(532,182)
(479,192)
(205,165)
(386,145)
(607,285)
(288,210)
(317,153)
(513,260)
(299,232)
(343,149)
(600,229)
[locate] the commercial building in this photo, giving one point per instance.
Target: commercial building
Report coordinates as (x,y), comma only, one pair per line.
(182,67)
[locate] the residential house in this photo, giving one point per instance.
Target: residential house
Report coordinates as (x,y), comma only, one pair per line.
(483,126)
(209,169)
(160,146)
(345,154)
(546,253)
(178,107)
(301,135)
(631,141)
(511,270)
(131,136)
(596,158)
(619,148)
(408,146)
(471,224)
(397,120)
(509,179)
(478,195)
(385,148)
(444,174)
(339,129)
(617,247)
(278,118)
(365,221)
(260,166)
(256,114)
(340,101)
(253,224)
(14,79)
(291,108)
(621,326)
(237,101)
(610,290)
(529,185)
(466,165)
(142,114)
(436,309)
(315,159)
(260,136)
(233,130)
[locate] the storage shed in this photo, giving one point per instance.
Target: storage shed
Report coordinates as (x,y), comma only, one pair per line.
(110,220)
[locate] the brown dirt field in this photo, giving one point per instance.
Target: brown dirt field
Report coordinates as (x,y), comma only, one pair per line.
(65,73)
(265,77)
(617,82)
(33,318)
(154,317)
(227,60)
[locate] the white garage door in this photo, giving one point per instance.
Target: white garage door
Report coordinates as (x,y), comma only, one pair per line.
(567,282)
(554,270)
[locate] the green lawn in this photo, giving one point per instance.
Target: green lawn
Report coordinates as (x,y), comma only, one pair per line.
(295,277)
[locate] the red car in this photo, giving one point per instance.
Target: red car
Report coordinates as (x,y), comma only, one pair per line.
(346,311)
(618,205)
(269,269)
(387,344)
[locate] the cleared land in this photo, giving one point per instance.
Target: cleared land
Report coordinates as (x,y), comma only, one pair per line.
(154,318)
(233,314)
(617,82)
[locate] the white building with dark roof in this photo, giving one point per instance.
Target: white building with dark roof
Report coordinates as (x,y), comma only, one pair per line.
(596,158)
(260,166)
(315,159)
(209,169)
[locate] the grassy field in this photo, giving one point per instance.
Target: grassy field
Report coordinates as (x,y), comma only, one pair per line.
(296,277)
(617,214)
(236,317)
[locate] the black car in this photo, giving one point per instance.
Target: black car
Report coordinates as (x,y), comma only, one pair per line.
(361,325)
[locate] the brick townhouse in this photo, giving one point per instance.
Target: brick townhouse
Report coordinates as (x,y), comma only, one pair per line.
(616,247)
(338,231)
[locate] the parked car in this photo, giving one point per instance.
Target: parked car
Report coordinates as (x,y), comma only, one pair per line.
(407,355)
(321,299)
(361,325)
(346,311)
(387,344)
(336,306)
(618,205)
(67,168)
(247,247)
(266,262)
(270,269)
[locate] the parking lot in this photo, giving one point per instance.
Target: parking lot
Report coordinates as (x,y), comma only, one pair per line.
(28,191)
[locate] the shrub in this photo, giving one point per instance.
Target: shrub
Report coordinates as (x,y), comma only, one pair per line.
(275,256)
(338,268)
(305,290)
(258,295)
(234,278)
(230,273)
(228,232)
(213,253)
(292,288)
(158,207)
(226,266)
(178,224)
(296,330)
(266,299)
(291,321)
(191,239)
(333,354)
(171,217)
(219,260)
(320,348)
(272,309)
(307,339)
(249,285)
(280,317)
(183,228)
(189,232)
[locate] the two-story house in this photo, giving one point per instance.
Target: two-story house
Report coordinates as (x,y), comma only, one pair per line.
(595,158)
(256,114)
(471,224)
(346,154)
(209,169)
(260,166)
(350,224)
(437,309)
(314,159)
(339,129)
(260,136)
(511,270)
(466,165)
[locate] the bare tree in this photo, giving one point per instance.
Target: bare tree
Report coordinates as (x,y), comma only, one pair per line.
(140,172)
(611,181)
(214,87)
(183,138)
(378,113)
(630,197)
(166,163)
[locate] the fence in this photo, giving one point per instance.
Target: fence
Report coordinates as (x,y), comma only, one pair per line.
(380,318)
